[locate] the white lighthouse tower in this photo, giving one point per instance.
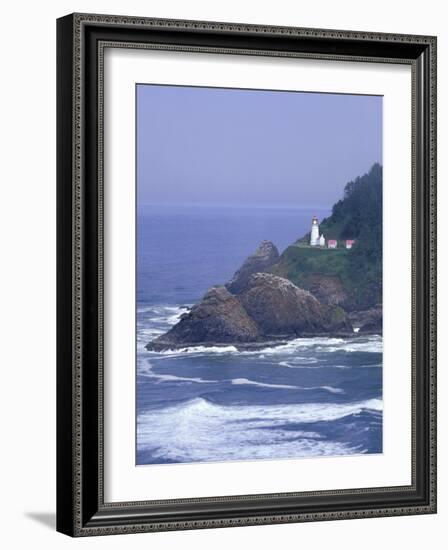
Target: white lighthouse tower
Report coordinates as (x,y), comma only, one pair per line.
(314,240)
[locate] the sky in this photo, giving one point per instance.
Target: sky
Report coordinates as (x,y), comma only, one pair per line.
(231,147)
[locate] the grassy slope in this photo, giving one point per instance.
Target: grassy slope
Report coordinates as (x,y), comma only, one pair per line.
(298,263)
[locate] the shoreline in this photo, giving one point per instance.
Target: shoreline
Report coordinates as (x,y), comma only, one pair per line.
(253,346)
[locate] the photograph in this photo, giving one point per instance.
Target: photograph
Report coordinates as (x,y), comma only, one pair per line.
(259,272)
(246,272)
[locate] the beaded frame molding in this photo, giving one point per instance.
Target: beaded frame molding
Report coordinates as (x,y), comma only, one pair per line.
(81,40)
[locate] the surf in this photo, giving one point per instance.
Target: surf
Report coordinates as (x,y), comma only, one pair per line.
(199,430)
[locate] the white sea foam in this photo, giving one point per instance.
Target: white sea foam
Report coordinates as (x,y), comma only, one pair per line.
(331,389)
(200,430)
(371,344)
(245,381)
(288,348)
(293,346)
(173,378)
(303,361)
(162,310)
(200,350)
(144,334)
(165,315)
(147,371)
(312,365)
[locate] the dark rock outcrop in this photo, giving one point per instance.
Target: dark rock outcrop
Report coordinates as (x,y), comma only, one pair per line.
(328,289)
(264,257)
(369,321)
(218,319)
(268,308)
(282,309)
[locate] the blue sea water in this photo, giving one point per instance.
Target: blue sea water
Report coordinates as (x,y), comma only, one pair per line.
(309,397)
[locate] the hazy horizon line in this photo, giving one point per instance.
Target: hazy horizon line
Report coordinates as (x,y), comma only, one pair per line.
(233,205)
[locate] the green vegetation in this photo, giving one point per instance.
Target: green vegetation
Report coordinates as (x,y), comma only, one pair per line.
(337,315)
(299,263)
(358,215)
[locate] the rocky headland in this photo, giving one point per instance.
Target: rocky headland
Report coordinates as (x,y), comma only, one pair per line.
(255,307)
(305,291)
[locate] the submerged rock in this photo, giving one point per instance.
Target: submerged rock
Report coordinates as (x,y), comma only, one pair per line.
(264,257)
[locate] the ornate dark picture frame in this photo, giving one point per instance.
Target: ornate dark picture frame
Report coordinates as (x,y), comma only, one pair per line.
(81,509)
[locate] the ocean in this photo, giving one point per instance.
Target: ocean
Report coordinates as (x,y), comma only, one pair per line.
(309,397)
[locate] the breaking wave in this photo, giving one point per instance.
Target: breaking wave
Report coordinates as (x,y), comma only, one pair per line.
(268,407)
(198,430)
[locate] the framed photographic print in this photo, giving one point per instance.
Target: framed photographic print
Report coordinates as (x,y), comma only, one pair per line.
(246,274)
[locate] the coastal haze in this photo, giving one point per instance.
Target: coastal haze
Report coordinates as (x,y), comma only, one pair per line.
(219,171)
(217,146)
